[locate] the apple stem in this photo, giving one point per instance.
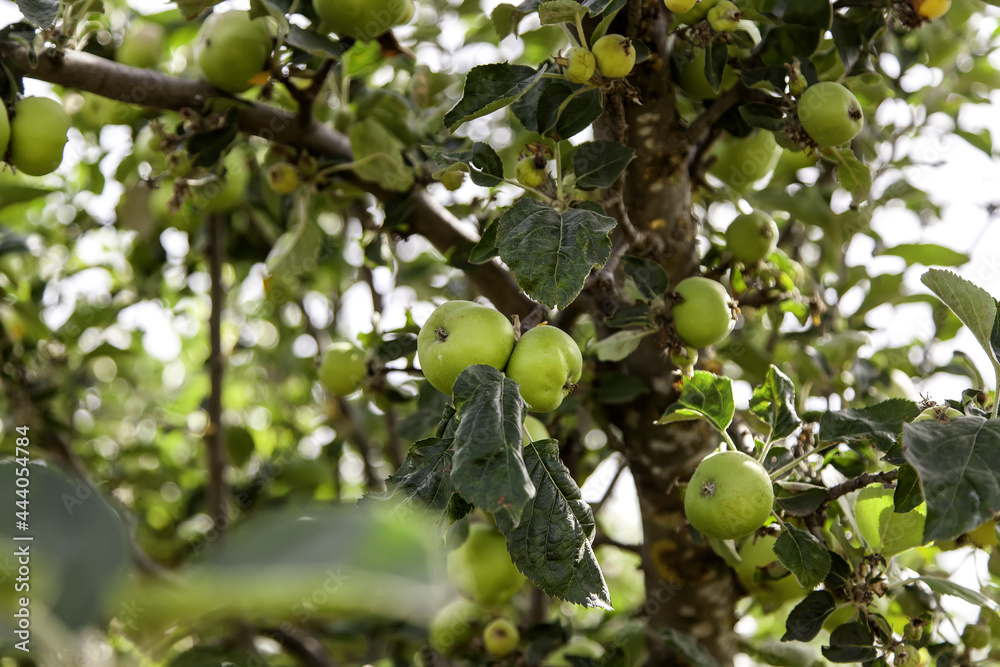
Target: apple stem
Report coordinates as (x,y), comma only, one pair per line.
(579,29)
(729,444)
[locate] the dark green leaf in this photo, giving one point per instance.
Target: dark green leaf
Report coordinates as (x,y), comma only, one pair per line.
(425,474)
(716,57)
(576,114)
(551,253)
(40,13)
(598,164)
(313,43)
(618,388)
(630,316)
(486,247)
(764,116)
(491,87)
(840,572)
(803,555)
(488,468)
(851,642)
(488,164)
(907,494)
(773,402)
(650,277)
(880,423)
(973,305)
(704,396)
(551,544)
(959,468)
(803,503)
(806,619)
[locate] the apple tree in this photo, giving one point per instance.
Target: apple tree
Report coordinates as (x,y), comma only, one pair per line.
(341,333)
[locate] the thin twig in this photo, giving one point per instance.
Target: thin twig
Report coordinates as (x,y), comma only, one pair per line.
(215,438)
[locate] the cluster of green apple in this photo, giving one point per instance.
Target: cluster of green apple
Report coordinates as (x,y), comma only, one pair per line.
(545,362)
(35,135)
(612,56)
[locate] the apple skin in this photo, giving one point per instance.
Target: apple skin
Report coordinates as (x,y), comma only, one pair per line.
(283,178)
(680,6)
(830,114)
(231,49)
(704,317)
(547,364)
(535,429)
(771,593)
(976,635)
(940,413)
(455,625)
(4,130)
(751,237)
(580,65)
(343,369)
(223,194)
(577,647)
(729,496)
(886,531)
(363,19)
(481,569)
(724,17)
(742,161)
(529,173)
(459,334)
(38,135)
(615,56)
(931,9)
(501,637)
(691,76)
(142,45)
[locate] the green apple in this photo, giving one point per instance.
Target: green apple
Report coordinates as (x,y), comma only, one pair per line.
(985,536)
(770,592)
(142,45)
(363,19)
(93,112)
(976,635)
(459,334)
(343,369)
(585,650)
(224,193)
(615,56)
(283,178)
(751,237)
(481,569)
(940,413)
(451,179)
(729,496)
(685,358)
(4,130)
(830,113)
(704,314)
(530,171)
(38,135)
(724,17)
(232,48)
(680,6)
(455,624)
(535,429)
(580,65)
(742,161)
(888,532)
(501,637)
(547,364)
(690,75)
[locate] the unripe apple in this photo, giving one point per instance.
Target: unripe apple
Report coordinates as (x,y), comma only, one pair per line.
(452,179)
(984,536)
(691,75)
(574,652)
(888,532)
(830,113)
(724,17)
(481,568)
(283,178)
(931,9)
(93,112)
(729,496)
(501,637)
(454,626)
(685,358)
(976,635)
(343,369)
(580,65)
(142,45)
(704,316)
(534,429)
(530,171)
(363,19)
(38,135)
(680,6)
(459,334)
(751,237)
(906,656)
(742,161)
(759,555)
(547,364)
(4,130)
(232,48)
(223,194)
(615,56)
(940,413)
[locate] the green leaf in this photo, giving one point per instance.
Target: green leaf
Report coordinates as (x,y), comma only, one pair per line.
(598,164)
(425,473)
(687,648)
(489,165)
(378,156)
(907,494)
(774,403)
(982,140)
(313,43)
(551,253)
(803,555)
(506,17)
(959,468)
(929,254)
(552,12)
(650,277)
(551,544)
(488,466)
(486,247)
(806,619)
(802,503)
(491,87)
(851,642)
(296,249)
(704,396)
(638,315)
(39,13)
(973,305)
(948,587)
(764,116)
(853,174)
(619,345)
(880,423)
(716,57)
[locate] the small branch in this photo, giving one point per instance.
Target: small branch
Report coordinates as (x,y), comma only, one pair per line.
(308,650)
(860,482)
(601,538)
(351,426)
(215,439)
(706,119)
(597,506)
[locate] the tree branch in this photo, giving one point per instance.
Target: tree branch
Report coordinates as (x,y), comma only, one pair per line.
(860,482)
(423,215)
(215,440)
